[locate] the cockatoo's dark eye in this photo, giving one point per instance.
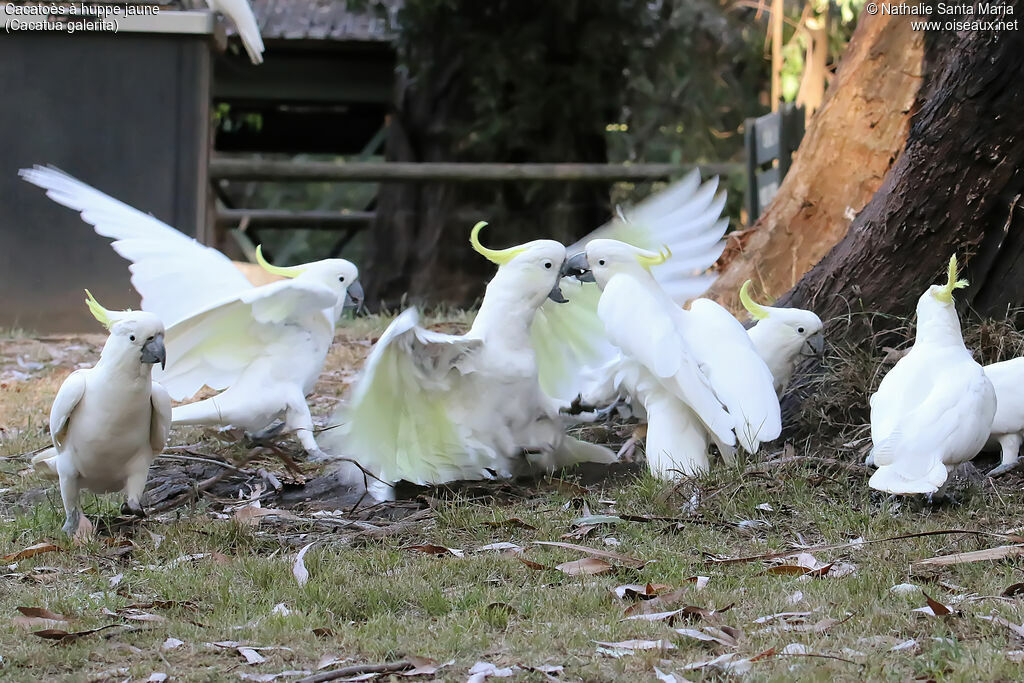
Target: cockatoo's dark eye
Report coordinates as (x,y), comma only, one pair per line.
(800,330)
(547,264)
(131,337)
(601,262)
(150,339)
(341,279)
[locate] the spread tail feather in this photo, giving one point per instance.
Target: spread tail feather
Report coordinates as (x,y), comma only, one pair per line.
(890,479)
(45,462)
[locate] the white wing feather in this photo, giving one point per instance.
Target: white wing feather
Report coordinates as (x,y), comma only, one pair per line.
(568,338)
(214,346)
(397,422)
(739,377)
(160,421)
(639,325)
(241,15)
(175,275)
(68,396)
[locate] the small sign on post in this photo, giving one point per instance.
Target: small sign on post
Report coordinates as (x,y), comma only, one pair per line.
(770,142)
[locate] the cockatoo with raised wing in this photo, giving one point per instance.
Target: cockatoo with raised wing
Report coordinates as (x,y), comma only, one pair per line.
(1007,429)
(262,347)
(934,409)
(431,408)
(574,354)
(241,15)
(782,336)
(695,372)
(109,422)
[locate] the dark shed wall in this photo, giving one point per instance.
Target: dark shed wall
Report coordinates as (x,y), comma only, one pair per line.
(126,113)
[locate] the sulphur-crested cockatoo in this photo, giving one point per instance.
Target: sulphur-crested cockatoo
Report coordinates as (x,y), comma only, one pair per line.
(110,421)
(782,336)
(695,372)
(431,408)
(241,15)
(263,346)
(574,354)
(1007,429)
(934,409)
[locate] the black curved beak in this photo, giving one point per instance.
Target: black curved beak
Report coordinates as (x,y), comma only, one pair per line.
(556,293)
(578,267)
(814,345)
(354,297)
(153,351)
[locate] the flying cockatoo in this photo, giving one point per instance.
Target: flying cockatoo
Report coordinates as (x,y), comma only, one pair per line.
(1007,429)
(934,409)
(695,372)
(431,408)
(262,347)
(781,336)
(110,421)
(241,15)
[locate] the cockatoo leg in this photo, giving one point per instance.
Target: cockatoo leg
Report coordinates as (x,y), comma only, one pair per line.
(70,495)
(1010,444)
(268,433)
(298,421)
(628,450)
(134,486)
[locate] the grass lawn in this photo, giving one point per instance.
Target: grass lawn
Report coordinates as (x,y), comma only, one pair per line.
(207,589)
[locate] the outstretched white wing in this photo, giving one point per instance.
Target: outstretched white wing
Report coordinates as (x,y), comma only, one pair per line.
(397,422)
(175,275)
(213,347)
(240,13)
(641,327)
(740,379)
(686,217)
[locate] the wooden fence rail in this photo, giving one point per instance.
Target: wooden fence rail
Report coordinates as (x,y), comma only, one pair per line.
(285,219)
(394,171)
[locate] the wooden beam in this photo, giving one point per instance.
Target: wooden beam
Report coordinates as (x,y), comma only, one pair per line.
(319,171)
(309,220)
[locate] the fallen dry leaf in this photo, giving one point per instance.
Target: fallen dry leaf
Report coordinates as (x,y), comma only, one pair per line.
(625,560)
(588,566)
(533,565)
(726,636)
(171,644)
(269,678)
(65,637)
(632,591)
(1016,629)
(934,608)
(1002,552)
(429,549)
(631,646)
(1015,589)
(251,656)
(157,677)
(424,666)
(299,570)
(250,515)
(481,671)
(727,663)
(498,547)
(31,551)
(513,522)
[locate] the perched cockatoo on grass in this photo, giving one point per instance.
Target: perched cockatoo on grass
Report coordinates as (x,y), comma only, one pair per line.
(1007,429)
(431,408)
(934,409)
(241,15)
(695,372)
(109,422)
(262,347)
(782,336)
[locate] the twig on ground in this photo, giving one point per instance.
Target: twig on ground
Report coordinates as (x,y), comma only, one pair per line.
(831,462)
(209,461)
(390,668)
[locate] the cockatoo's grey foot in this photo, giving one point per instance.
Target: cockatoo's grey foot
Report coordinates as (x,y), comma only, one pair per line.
(267,434)
(1005,468)
(318,455)
(133,508)
(578,407)
(968,472)
(71,522)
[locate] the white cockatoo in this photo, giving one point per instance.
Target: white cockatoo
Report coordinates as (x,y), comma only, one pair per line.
(262,347)
(1007,429)
(430,408)
(109,422)
(934,409)
(782,336)
(573,351)
(695,372)
(241,15)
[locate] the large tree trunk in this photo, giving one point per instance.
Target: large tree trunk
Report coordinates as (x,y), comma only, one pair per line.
(852,141)
(955,189)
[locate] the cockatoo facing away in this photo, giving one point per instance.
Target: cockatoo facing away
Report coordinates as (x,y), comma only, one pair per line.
(263,346)
(431,408)
(241,15)
(781,336)
(1007,429)
(695,372)
(109,422)
(934,409)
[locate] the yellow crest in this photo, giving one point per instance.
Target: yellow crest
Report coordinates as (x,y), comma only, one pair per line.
(496,256)
(649,258)
(290,271)
(756,310)
(945,293)
(98,311)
